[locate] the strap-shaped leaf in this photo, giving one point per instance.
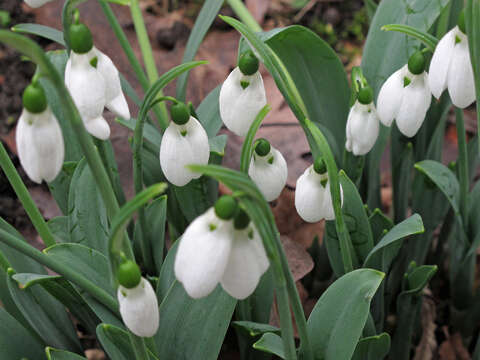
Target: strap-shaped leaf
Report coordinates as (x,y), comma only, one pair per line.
(372,348)
(54,354)
(270,343)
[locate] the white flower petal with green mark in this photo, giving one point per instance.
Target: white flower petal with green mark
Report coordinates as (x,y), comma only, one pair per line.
(362,128)
(390,97)
(440,64)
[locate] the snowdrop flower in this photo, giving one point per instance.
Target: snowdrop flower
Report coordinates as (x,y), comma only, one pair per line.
(362,124)
(39,137)
(214,249)
(137,300)
(451,67)
(268,170)
(36,3)
(184,142)
(406,96)
(313,200)
(93,82)
(242,95)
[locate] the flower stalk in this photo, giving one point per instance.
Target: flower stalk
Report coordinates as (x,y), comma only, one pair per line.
(462,165)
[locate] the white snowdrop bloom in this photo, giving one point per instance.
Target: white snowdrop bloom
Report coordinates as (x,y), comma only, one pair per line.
(268,170)
(362,128)
(405,97)
(40,145)
(36,3)
(313,199)
(183,144)
(242,95)
(218,250)
(451,68)
(139,308)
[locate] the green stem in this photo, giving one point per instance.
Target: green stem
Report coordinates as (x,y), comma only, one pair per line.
(25,198)
(4,264)
(147,54)
(462,166)
(244,15)
(138,346)
(285,319)
(60,268)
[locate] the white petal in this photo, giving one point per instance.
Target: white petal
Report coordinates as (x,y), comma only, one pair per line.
(87,88)
(98,127)
(246,265)
(40,145)
(114,97)
(415,103)
(238,106)
(362,128)
(36,3)
(440,64)
(177,151)
(270,178)
(309,194)
(390,97)
(139,308)
(461,86)
(329,213)
(203,254)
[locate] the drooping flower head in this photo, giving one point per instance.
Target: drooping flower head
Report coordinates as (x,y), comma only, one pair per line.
(137,300)
(242,95)
(221,246)
(362,123)
(268,169)
(451,67)
(313,199)
(93,82)
(39,138)
(406,96)
(184,142)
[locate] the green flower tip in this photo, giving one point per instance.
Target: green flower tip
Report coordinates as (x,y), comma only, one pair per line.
(248,63)
(226,207)
(262,148)
(34,99)
(461,22)
(365,95)
(241,220)
(319,166)
(80,37)
(180,113)
(416,63)
(128,274)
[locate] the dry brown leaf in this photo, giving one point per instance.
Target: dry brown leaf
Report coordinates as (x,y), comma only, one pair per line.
(299,260)
(95,354)
(428,343)
(452,348)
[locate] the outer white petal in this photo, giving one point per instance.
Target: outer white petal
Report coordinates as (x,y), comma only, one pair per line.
(309,196)
(37,3)
(440,64)
(329,213)
(40,145)
(461,86)
(362,128)
(270,178)
(390,97)
(203,254)
(139,308)
(177,151)
(114,97)
(246,265)
(238,106)
(87,88)
(415,103)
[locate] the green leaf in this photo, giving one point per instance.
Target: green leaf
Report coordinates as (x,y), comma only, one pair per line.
(190,326)
(204,20)
(59,228)
(209,113)
(337,320)
(372,348)
(87,216)
(60,187)
(386,250)
(379,223)
(427,39)
(419,278)
(54,354)
(270,343)
(401,154)
(46,32)
(255,329)
(472,20)
(155,219)
(15,341)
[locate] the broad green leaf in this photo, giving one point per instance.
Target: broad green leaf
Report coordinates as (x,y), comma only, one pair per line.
(43,31)
(419,278)
(60,187)
(379,223)
(155,219)
(371,7)
(255,329)
(209,113)
(16,342)
(372,348)
(387,249)
(54,354)
(337,320)
(87,216)
(203,22)
(107,154)
(59,228)
(270,343)
(401,155)
(217,144)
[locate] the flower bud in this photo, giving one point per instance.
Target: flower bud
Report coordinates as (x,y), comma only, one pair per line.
(180,113)
(128,274)
(248,63)
(416,63)
(262,148)
(226,207)
(34,99)
(365,95)
(80,37)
